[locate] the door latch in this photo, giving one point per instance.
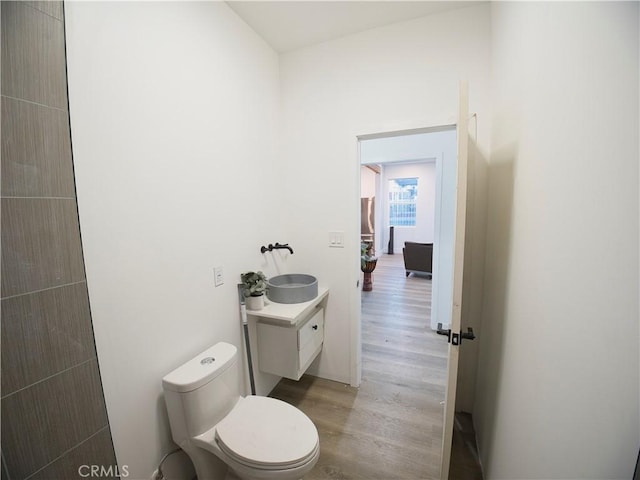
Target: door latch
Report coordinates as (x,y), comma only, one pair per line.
(447,332)
(455,338)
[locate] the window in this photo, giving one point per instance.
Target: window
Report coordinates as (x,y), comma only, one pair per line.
(402,202)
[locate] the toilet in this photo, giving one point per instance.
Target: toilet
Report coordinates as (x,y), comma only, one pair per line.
(255,437)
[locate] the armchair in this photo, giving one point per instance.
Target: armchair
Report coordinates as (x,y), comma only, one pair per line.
(418,258)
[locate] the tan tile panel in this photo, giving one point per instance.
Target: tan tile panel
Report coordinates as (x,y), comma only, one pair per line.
(43,421)
(97,451)
(33,62)
(40,245)
(44,333)
(36,151)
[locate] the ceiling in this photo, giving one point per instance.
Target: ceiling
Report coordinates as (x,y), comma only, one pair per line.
(289,25)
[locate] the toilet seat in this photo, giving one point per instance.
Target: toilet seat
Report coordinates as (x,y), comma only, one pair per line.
(267,434)
(276,468)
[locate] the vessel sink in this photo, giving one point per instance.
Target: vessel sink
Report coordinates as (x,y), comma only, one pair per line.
(292,288)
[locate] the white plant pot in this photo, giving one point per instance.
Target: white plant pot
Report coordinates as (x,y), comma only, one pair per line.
(255,303)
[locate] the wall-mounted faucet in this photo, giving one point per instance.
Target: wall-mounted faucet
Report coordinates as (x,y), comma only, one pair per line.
(277,246)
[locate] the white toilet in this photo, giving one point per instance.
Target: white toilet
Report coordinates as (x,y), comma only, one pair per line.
(256,437)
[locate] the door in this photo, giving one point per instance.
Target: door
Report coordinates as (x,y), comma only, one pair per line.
(458,270)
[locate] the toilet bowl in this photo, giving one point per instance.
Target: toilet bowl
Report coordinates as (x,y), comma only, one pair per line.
(257,437)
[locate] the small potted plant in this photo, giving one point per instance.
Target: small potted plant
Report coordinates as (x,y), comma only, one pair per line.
(254,284)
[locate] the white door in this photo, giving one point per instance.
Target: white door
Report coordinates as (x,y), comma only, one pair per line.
(458,263)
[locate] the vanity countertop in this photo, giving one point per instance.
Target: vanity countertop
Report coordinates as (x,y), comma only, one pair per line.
(288,314)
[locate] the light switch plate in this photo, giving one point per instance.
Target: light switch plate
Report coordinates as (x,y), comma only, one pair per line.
(336,239)
(219,276)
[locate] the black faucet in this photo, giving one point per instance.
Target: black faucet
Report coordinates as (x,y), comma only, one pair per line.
(277,246)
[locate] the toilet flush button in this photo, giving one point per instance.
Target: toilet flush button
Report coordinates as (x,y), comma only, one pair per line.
(207,361)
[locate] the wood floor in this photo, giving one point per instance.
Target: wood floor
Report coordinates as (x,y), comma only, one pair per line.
(391,426)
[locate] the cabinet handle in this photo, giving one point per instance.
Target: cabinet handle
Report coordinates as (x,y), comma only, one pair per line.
(315,327)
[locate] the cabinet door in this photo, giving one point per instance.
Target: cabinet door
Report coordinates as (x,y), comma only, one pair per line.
(288,351)
(277,350)
(310,338)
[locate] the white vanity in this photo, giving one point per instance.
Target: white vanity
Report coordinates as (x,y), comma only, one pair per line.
(290,336)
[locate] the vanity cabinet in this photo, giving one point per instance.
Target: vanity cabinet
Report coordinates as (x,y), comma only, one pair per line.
(288,350)
(290,336)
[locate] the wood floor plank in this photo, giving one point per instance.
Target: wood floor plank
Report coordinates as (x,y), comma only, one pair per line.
(391,426)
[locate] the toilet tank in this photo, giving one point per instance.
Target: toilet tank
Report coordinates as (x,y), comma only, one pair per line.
(201,392)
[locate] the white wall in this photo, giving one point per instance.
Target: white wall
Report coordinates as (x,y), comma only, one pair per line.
(174,115)
(557,392)
(393,78)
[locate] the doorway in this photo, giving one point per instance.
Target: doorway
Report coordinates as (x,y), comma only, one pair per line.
(426,158)
(408,182)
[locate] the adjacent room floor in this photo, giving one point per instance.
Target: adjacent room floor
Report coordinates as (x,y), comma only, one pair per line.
(391,426)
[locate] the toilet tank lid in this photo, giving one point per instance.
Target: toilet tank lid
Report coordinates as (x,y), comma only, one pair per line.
(201,369)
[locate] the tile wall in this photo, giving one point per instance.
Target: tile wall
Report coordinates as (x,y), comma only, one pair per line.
(52,406)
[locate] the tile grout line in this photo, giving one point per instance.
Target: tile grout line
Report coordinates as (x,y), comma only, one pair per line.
(26,4)
(34,103)
(68,451)
(38,198)
(45,289)
(92,358)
